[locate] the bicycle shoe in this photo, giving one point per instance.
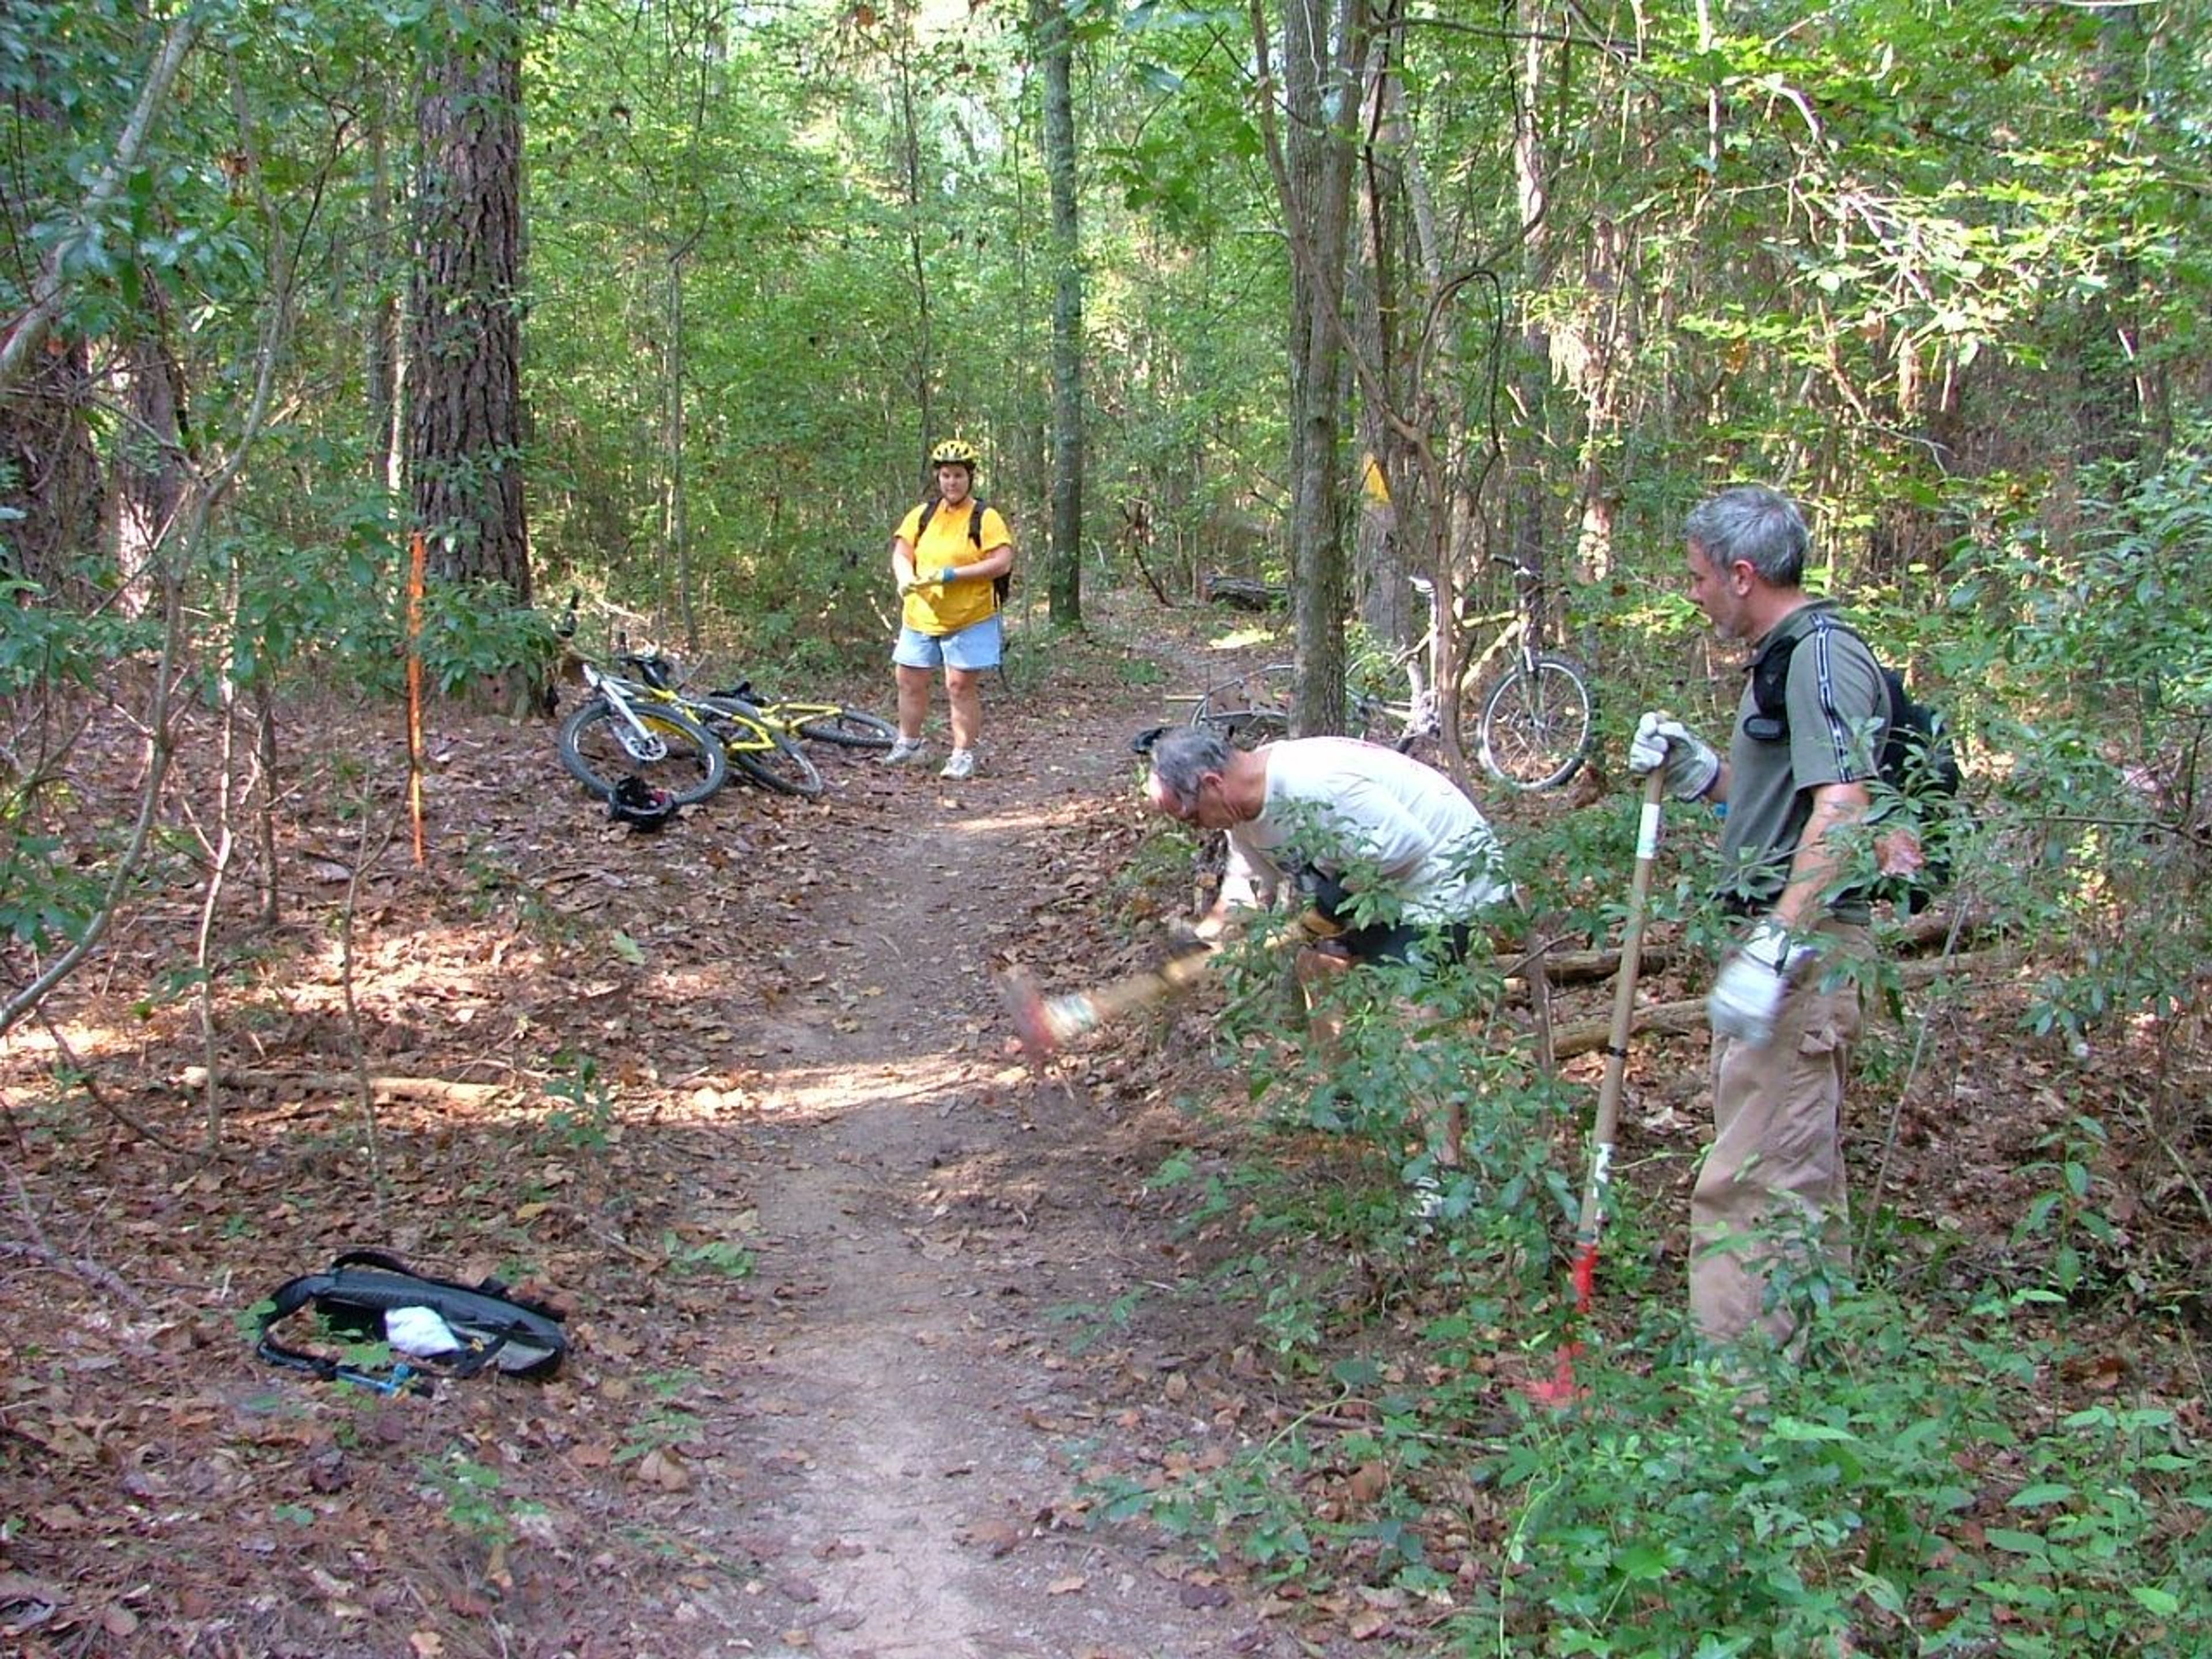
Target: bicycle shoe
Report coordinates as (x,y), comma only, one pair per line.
(905,752)
(960,767)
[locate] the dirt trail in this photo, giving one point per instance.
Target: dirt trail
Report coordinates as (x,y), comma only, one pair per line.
(623,1065)
(928,1215)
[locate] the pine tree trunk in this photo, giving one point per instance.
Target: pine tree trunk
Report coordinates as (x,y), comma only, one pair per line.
(49,471)
(465,429)
(150,480)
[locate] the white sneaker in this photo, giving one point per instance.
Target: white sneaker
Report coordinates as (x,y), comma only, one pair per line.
(960,767)
(905,752)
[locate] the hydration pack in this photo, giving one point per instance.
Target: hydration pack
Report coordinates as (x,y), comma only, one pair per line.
(1917,760)
(486,1324)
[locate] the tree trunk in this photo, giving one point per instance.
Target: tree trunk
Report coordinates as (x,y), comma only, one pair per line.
(1312,164)
(2110,397)
(380,341)
(150,480)
(910,170)
(676,518)
(1526,496)
(464,430)
(1056,47)
(49,471)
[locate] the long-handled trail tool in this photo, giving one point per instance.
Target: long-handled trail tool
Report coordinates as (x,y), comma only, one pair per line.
(1561,1389)
(1043,1024)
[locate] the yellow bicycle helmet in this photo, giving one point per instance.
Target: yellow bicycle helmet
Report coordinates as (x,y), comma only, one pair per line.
(955,452)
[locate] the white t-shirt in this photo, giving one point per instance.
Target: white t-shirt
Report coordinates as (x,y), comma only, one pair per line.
(1350,807)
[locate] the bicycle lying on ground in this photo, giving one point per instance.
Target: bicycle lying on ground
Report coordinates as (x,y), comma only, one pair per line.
(640,724)
(824,722)
(1252,708)
(1532,730)
(624,729)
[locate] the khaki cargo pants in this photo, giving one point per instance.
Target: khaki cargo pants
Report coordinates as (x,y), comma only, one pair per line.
(1772,1190)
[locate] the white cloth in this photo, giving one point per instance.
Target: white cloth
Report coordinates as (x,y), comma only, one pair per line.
(420,1332)
(1360,806)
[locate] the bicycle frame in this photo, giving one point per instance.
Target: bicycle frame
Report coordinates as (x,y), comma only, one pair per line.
(743,727)
(639,739)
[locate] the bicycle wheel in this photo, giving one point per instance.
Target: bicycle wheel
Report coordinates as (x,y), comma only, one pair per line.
(849,728)
(1249,710)
(600,748)
(1535,729)
(760,752)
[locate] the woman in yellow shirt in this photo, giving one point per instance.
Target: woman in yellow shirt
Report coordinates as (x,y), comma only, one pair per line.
(946,556)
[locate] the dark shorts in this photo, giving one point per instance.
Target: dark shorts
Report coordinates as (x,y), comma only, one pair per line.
(1400,942)
(1430,944)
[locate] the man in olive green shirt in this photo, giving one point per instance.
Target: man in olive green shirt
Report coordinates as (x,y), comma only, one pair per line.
(1771,1193)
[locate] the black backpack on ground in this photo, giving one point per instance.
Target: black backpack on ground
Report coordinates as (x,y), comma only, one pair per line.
(1000,585)
(494,1328)
(1918,759)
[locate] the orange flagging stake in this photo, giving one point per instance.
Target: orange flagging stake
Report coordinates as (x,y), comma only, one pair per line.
(1560,1388)
(415,563)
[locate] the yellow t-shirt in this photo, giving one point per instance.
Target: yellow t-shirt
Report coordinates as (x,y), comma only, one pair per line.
(955,605)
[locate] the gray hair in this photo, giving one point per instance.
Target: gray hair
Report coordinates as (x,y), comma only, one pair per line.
(1183,755)
(1753,523)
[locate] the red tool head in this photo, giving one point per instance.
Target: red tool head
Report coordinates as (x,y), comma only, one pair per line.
(1025,1007)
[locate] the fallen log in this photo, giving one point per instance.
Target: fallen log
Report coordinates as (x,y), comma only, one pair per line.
(1241,592)
(1930,927)
(382,1089)
(1676,1017)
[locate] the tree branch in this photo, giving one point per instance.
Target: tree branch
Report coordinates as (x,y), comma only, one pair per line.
(31,329)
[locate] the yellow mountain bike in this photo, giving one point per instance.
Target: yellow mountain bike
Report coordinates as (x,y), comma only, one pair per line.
(638,724)
(824,722)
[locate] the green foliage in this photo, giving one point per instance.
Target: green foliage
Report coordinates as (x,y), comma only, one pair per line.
(43,644)
(2103,701)
(713,1255)
(47,899)
(670,1420)
(475,1503)
(473,631)
(2064,1211)
(587,1113)
(1907,1496)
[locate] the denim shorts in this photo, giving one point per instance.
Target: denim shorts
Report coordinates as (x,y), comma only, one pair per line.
(979,645)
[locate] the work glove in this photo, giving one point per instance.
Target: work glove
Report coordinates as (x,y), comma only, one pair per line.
(1747,995)
(1327,903)
(1684,760)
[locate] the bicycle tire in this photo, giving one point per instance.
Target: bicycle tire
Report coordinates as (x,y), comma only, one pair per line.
(779,764)
(1240,725)
(849,728)
(1247,728)
(594,748)
(1535,732)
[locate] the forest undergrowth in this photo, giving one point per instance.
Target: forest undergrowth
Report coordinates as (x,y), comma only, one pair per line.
(1387,1427)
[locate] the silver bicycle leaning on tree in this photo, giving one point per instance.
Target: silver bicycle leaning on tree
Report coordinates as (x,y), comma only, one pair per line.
(1530,731)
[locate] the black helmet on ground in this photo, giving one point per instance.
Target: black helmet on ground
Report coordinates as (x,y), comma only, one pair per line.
(639,805)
